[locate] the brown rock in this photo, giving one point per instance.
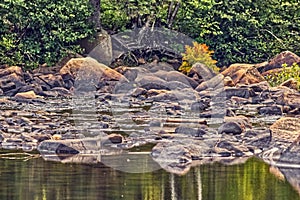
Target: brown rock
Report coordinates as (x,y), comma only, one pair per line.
(285,57)
(243,74)
(76,66)
(291,83)
(11,70)
(286,129)
(52,80)
(228,81)
(87,72)
(26,95)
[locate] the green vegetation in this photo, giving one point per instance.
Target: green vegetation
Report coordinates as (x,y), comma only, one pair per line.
(238,30)
(198,53)
(287,72)
(43,31)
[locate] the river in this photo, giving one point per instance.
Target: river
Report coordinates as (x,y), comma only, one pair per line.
(36,179)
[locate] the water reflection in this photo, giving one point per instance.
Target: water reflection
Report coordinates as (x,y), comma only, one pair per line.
(37,179)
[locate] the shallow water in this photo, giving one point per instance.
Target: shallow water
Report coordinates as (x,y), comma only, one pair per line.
(37,179)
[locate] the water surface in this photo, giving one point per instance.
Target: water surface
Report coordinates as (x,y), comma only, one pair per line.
(39,180)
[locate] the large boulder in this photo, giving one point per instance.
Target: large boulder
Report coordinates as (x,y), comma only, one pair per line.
(243,74)
(88,74)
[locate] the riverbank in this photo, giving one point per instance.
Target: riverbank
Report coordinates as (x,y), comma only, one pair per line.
(86,107)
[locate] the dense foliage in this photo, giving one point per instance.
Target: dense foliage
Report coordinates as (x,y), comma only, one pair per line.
(252,31)
(248,31)
(41,31)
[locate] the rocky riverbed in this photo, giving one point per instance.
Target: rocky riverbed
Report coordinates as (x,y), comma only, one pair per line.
(85,109)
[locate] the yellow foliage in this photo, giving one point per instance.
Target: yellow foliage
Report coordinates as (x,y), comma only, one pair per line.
(198,53)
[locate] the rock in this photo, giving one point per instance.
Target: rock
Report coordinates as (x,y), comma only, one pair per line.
(257,139)
(171,153)
(215,82)
(10,83)
(199,105)
(286,130)
(285,57)
(270,110)
(243,92)
(26,95)
(160,66)
(202,71)
(88,73)
(115,138)
(191,131)
(243,121)
(176,76)
(11,70)
(284,96)
(228,81)
(151,82)
(138,92)
(230,128)
(243,74)
(291,83)
(259,87)
(52,80)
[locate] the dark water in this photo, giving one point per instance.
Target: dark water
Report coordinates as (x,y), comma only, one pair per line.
(39,180)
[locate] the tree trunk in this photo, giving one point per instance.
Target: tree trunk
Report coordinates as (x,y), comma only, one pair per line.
(95,18)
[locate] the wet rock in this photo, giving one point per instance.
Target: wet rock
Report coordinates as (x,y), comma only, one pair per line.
(230,128)
(270,110)
(171,153)
(115,138)
(195,132)
(243,74)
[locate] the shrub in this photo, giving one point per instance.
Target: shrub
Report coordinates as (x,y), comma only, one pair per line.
(285,74)
(198,53)
(41,31)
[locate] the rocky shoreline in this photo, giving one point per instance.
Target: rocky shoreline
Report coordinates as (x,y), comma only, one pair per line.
(86,107)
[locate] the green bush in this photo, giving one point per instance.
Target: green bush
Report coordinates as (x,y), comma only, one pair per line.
(41,31)
(287,72)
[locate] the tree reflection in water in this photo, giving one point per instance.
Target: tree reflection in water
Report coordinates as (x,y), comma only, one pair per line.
(37,179)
